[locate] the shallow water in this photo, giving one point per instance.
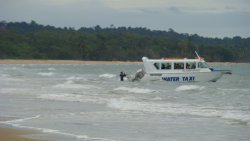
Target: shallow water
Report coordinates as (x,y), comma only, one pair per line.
(88,102)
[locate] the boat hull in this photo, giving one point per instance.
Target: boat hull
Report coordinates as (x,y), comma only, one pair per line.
(185,77)
(180,70)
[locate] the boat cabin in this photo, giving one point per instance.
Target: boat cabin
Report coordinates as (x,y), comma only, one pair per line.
(174,65)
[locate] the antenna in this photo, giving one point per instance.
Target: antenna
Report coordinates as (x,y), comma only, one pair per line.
(197,55)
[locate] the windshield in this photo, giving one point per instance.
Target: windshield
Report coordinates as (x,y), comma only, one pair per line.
(203,65)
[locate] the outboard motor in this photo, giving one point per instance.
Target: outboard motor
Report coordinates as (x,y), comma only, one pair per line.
(138,75)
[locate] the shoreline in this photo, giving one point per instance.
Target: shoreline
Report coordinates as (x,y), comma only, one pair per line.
(14,134)
(21,61)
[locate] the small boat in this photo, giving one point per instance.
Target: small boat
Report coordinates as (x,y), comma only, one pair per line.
(178,70)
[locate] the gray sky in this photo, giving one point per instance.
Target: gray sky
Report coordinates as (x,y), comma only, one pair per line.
(209,18)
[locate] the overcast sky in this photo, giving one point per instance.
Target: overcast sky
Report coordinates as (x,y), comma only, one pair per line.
(209,18)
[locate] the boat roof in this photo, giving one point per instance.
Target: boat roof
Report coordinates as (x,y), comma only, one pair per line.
(173,60)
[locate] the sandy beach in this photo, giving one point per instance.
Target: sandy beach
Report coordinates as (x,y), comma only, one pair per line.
(11,134)
(18,61)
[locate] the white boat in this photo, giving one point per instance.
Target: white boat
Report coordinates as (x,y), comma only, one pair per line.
(178,70)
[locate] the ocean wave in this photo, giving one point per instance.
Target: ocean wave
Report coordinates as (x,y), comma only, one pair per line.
(74,98)
(71,85)
(178,109)
(51,69)
(16,122)
(45,73)
(58,132)
(61,97)
(242,89)
(237,117)
(189,88)
(135,90)
(53,131)
(107,75)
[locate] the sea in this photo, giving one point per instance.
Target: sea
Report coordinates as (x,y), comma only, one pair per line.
(88,102)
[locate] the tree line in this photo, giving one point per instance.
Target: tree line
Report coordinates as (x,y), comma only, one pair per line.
(22,40)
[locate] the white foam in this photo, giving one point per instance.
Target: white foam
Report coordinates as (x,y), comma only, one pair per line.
(157,98)
(74,98)
(47,130)
(189,88)
(20,120)
(53,131)
(84,137)
(130,105)
(45,73)
(107,75)
(61,97)
(177,109)
(244,90)
(51,69)
(135,90)
(236,115)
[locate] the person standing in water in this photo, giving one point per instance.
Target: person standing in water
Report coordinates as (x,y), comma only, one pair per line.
(122,75)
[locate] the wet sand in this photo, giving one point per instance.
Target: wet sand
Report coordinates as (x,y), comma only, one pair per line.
(11,134)
(12,61)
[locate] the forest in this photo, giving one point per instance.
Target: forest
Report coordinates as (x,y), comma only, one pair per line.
(22,40)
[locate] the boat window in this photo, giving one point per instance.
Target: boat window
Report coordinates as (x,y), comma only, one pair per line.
(166,66)
(202,65)
(178,66)
(157,65)
(190,65)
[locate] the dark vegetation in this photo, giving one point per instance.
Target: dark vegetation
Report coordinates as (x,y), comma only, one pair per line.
(21,40)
